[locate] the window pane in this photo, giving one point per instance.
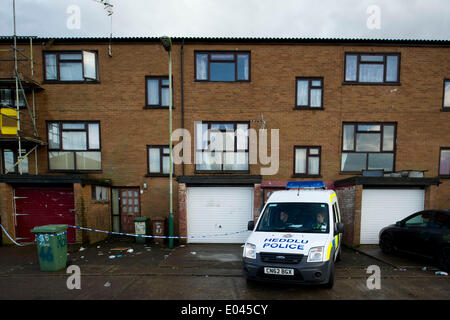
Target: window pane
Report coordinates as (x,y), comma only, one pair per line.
(201,133)
(302,92)
(21,98)
(6,97)
(353,161)
(368,127)
(89,160)
(388,138)
(242,136)
(444,165)
(90,65)
(152,91)
(235,161)
(51,72)
(447,94)
(222,71)
(166,165)
(154,160)
(222,56)
(372,58)
(23,166)
(70,71)
(314,151)
(371,72)
(381,161)
(313,165)
(348,136)
(73,140)
(76,126)
(70,56)
(242,67)
(208,160)
(53,135)
(300,160)
(165,97)
(165,82)
(8,156)
(61,161)
(202,66)
(392,68)
(350,68)
(94,136)
(316,98)
(368,142)
(316,83)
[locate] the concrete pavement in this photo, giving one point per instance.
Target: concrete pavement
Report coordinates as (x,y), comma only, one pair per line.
(195,271)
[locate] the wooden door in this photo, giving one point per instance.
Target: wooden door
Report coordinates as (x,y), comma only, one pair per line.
(130,208)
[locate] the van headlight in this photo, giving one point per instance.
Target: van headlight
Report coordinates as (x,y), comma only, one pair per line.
(250,251)
(315,254)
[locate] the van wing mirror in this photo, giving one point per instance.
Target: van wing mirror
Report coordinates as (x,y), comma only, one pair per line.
(339,227)
(251,225)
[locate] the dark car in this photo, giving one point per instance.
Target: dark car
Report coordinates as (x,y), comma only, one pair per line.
(425,233)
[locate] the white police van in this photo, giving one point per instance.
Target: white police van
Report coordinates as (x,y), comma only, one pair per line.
(297,238)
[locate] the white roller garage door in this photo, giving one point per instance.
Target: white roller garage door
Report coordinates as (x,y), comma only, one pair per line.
(218,210)
(382,207)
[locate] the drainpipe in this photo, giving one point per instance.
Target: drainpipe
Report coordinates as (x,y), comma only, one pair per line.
(182,98)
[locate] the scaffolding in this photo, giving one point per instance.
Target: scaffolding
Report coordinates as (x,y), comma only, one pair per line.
(21,82)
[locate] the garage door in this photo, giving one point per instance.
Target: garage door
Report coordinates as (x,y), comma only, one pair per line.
(382,207)
(218,210)
(37,206)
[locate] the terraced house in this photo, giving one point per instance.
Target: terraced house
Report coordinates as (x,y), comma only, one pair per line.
(368,117)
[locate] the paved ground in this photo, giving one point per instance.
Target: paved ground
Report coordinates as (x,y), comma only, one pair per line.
(198,272)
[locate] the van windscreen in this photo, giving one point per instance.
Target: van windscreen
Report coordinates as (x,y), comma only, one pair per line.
(295,217)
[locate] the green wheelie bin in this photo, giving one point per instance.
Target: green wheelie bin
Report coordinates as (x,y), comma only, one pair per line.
(51,243)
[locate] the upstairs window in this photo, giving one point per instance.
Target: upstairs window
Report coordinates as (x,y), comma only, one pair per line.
(74,146)
(158,160)
(8,98)
(222,66)
(9,158)
(372,68)
(70,66)
(157,89)
(444,162)
(368,146)
(309,93)
(222,146)
(446,99)
(307,161)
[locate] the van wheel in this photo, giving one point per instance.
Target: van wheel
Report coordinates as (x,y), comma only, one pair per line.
(330,283)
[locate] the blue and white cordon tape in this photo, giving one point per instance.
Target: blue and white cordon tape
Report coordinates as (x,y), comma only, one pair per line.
(160,237)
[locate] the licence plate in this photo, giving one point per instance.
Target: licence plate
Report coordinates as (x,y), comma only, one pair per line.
(279,271)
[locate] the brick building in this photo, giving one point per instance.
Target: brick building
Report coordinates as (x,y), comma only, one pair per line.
(342,108)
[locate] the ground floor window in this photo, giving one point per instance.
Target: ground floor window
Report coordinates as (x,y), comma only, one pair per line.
(9,158)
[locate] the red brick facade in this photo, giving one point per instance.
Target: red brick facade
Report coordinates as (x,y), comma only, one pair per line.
(118,100)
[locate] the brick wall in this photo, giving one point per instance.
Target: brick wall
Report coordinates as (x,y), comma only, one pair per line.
(117,101)
(7,211)
(90,214)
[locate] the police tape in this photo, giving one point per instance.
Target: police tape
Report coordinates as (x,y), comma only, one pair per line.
(16,243)
(159,237)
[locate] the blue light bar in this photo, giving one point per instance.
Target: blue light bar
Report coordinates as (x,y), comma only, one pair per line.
(305,184)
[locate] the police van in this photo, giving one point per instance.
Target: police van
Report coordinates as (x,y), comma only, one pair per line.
(297,237)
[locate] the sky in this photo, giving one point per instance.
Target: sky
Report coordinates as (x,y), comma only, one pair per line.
(371,19)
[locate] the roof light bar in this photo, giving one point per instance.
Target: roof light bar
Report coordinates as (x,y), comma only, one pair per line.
(305,184)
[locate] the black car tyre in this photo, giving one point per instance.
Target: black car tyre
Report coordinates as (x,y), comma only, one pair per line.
(444,259)
(330,283)
(386,243)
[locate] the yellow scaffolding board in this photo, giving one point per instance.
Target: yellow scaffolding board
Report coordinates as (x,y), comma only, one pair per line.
(8,121)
